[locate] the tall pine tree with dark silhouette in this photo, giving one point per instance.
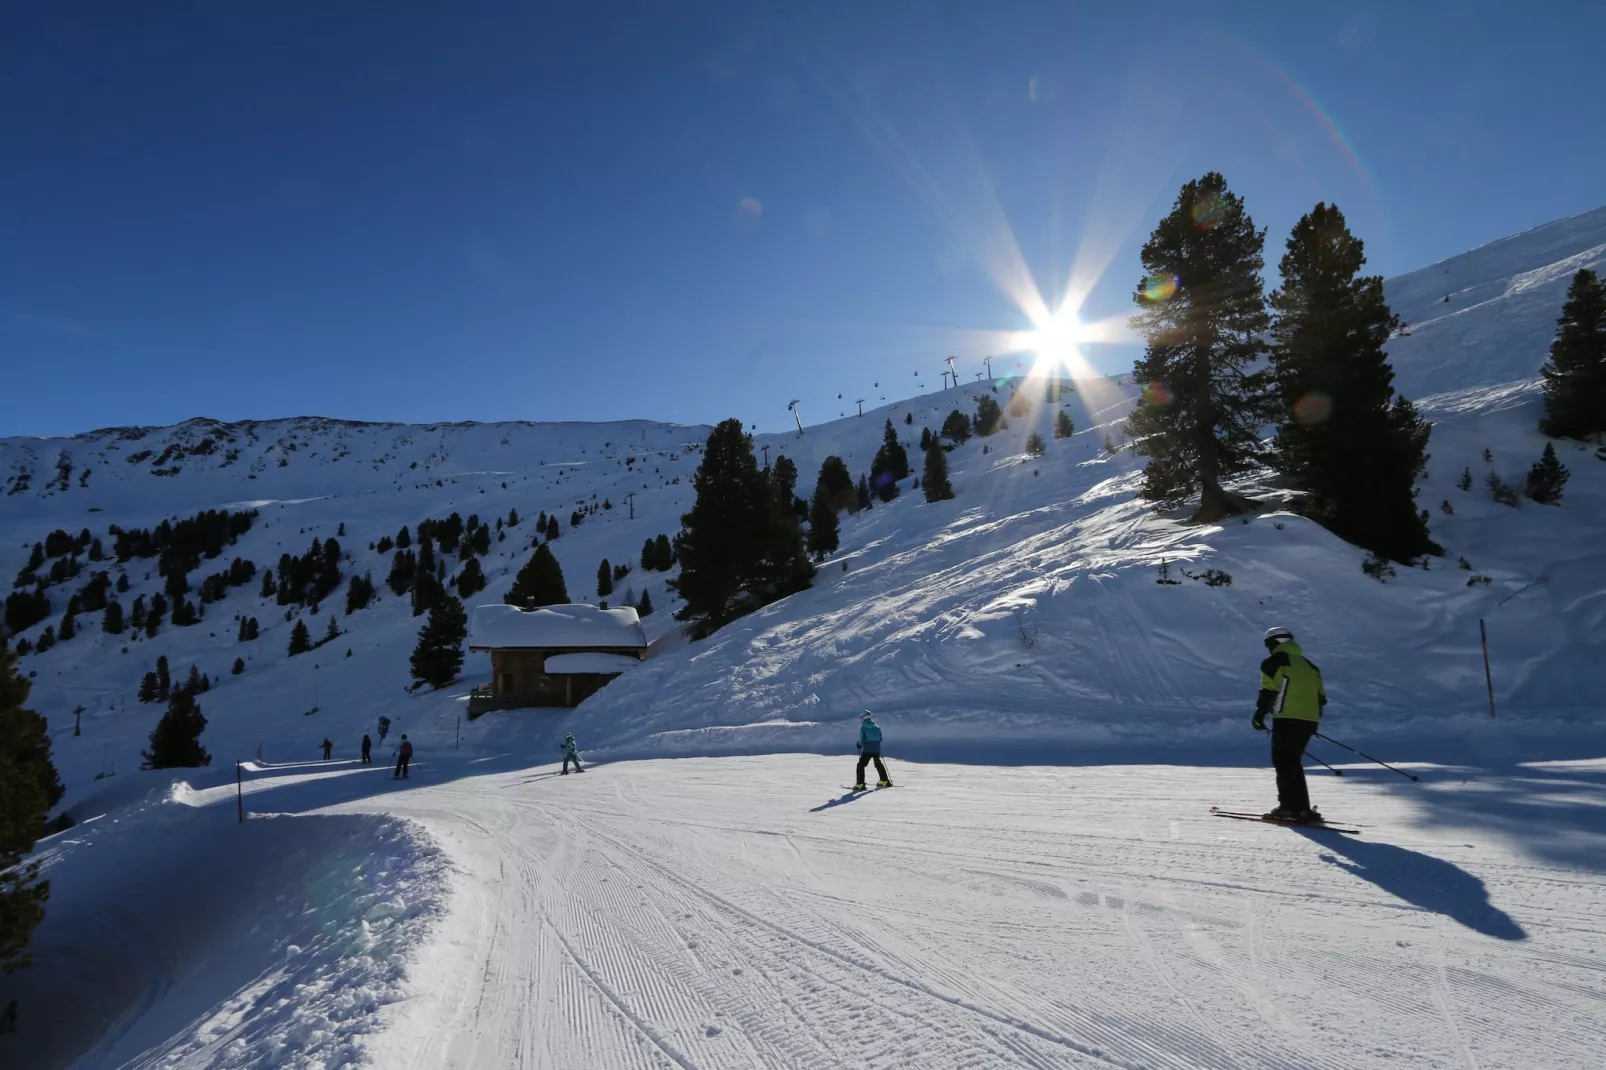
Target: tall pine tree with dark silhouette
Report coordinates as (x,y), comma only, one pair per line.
(934,480)
(1345,438)
(176,739)
(1202,314)
(1575,374)
(824,532)
(539,582)
(29,787)
(604,579)
(891,464)
(300,639)
(838,483)
(438,657)
(740,546)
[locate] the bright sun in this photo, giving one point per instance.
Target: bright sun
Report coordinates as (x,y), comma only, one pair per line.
(1056,338)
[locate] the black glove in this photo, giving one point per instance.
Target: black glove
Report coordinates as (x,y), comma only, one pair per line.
(1259,722)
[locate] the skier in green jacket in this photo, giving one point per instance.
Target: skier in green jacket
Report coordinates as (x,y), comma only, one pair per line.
(1291,693)
(571,753)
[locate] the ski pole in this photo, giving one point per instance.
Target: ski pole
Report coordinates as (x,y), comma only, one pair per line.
(1318,761)
(1368,757)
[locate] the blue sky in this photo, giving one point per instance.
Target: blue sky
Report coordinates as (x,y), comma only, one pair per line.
(692,211)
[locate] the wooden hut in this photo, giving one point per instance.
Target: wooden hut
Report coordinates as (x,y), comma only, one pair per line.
(552,656)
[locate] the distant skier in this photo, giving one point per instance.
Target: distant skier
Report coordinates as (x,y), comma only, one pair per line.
(1291,692)
(403,756)
(328,749)
(367,750)
(869,749)
(571,753)
(384,728)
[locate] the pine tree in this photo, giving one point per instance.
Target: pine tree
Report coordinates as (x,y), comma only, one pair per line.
(891,464)
(1346,438)
(823,537)
(1575,374)
(666,553)
(192,682)
(604,579)
(438,657)
(925,439)
(69,627)
(239,667)
(122,583)
(404,538)
(300,639)
(956,428)
(1035,446)
(471,580)
(111,622)
(552,529)
(331,633)
(649,556)
(1063,428)
(427,590)
(512,518)
(1199,422)
(359,592)
(176,740)
(838,483)
(644,607)
(989,416)
(147,688)
(539,582)
(403,570)
(29,787)
(269,589)
(863,494)
(164,681)
(1547,478)
(935,476)
(740,546)
(785,476)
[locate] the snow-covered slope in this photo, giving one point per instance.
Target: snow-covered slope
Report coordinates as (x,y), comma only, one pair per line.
(1484,318)
(1020,622)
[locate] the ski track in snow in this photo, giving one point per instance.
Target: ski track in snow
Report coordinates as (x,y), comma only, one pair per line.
(698,913)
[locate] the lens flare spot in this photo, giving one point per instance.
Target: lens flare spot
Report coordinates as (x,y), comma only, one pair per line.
(1208,211)
(1312,409)
(1159,288)
(1155,394)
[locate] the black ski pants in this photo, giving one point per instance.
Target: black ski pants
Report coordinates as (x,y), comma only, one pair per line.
(1289,737)
(865,759)
(567,758)
(401,764)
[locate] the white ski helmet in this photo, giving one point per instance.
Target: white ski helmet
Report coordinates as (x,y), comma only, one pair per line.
(864,715)
(1279,635)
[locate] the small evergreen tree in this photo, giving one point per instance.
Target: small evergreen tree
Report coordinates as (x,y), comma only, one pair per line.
(1035,446)
(552,529)
(69,626)
(864,496)
(403,570)
(438,657)
(269,588)
(649,556)
(1575,374)
(404,538)
(427,589)
(300,639)
(644,607)
(147,688)
(1546,478)
(823,537)
(239,667)
(1465,482)
(359,592)
(989,416)
(1063,428)
(192,682)
(785,476)
(1200,423)
(539,582)
(176,740)
(471,580)
(29,787)
(935,476)
(331,633)
(666,553)
(164,681)
(837,481)
(925,439)
(604,579)
(956,428)
(512,518)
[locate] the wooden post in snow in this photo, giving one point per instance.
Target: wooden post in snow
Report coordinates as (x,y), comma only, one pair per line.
(239,789)
(1488,677)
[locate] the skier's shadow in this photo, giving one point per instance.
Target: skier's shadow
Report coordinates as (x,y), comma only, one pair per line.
(839,801)
(1421,880)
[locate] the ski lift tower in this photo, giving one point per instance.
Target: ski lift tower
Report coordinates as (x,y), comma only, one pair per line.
(988,360)
(860,403)
(796,415)
(952,371)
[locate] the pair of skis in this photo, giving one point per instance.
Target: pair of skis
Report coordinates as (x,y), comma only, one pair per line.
(1238,815)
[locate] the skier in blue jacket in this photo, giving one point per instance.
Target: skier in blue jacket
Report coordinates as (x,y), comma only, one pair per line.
(869,748)
(571,753)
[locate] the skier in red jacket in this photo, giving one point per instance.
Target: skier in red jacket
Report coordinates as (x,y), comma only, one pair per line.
(403,756)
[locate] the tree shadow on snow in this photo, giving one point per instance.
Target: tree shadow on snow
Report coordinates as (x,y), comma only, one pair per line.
(1422,880)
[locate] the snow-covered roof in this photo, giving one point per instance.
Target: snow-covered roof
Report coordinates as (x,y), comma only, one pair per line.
(591,662)
(555,628)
